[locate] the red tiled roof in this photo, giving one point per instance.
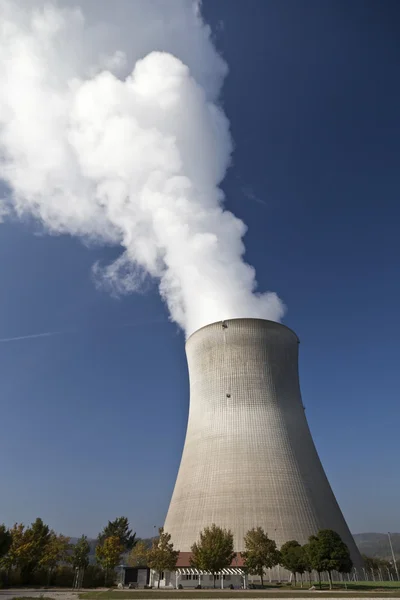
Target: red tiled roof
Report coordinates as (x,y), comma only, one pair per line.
(184,560)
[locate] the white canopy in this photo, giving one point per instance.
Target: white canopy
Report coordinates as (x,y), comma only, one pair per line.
(192,571)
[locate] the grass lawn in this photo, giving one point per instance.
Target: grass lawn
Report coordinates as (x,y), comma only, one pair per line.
(357,586)
(367,589)
(376,585)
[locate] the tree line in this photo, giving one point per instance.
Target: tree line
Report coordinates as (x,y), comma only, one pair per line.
(214,551)
(379,566)
(324,552)
(37,555)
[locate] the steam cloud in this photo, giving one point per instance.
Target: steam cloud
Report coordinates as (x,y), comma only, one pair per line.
(134,158)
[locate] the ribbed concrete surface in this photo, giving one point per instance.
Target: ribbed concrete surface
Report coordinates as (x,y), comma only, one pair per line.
(249,458)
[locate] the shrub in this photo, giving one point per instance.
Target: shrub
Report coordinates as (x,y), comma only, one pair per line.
(93,577)
(63,577)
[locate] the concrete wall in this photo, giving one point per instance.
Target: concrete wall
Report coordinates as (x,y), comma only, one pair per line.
(249,459)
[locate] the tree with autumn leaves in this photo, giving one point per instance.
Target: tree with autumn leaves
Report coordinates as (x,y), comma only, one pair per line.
(31,549)
(115,539)
(17,549)
(162,556)
(33,553)
(108,554)
(139,555)
(80,554)
(5,542)
(57,550)
(213,551)
(119,528)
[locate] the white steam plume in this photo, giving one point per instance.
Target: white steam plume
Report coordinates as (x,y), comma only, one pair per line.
(92,148)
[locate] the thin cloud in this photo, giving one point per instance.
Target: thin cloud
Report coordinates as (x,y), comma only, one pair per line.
(82,330)
(251,195)
(30,337)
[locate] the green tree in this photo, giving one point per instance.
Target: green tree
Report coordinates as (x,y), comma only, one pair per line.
(260,552)
(17,549)
(38,536)
(56,550)
(5,541)
(314,556)
(108,554)
(27,549)
(327,552)
(293,558)
(80,553)
(162,556)
(375,564)
(119,528)
(93,577)
(214,551)
(307,561)
(138,556)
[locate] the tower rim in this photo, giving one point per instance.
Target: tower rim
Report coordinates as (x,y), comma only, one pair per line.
(242,319)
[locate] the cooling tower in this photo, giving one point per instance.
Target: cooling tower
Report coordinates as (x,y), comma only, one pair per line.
(249,459)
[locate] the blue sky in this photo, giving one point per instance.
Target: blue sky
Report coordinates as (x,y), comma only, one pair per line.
(93,419)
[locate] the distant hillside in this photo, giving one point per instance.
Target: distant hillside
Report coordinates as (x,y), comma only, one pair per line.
(377,544)
(148,541)
(92,541)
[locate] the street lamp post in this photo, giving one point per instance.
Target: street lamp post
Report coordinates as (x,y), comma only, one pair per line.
(279,566)
(122,574)
(393,556)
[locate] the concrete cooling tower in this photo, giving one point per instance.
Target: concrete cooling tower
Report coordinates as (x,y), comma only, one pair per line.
(249,459)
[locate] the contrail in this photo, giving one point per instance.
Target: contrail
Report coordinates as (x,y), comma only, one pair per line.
(66,331)
(29,337)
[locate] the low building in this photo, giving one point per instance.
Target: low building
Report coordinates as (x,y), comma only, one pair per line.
(136,577)
(189,577)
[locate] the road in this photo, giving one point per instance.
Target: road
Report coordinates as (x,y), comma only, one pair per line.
(14,593)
